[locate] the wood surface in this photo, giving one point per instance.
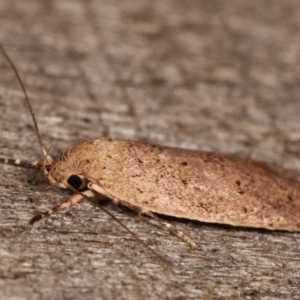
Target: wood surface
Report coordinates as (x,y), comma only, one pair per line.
(211,75)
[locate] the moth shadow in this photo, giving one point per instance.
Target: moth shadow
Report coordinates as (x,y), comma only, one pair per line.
(191,224)
(223,227)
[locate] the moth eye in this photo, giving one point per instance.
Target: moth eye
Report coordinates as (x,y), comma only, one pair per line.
(76,182)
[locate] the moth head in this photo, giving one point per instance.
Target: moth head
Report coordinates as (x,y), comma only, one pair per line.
(73,181)
(65,173)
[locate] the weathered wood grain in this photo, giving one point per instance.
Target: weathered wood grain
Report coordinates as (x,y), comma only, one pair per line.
(211,75)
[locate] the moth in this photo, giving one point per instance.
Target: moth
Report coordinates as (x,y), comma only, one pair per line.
(157,180)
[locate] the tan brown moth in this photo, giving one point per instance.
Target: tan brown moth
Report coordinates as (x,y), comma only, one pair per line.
(150,179)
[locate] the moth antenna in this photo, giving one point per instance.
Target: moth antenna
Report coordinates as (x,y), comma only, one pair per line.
(134,235)
(77,197)
(89,197)
(21,163)
(27,101)
(45,162)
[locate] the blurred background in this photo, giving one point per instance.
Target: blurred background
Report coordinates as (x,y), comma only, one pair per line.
(212,75)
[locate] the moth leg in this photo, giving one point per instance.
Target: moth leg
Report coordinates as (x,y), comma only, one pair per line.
(66,204)
(172,228)
(98,189)
(21,163)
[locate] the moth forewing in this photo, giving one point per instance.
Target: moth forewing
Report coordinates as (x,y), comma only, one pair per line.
(208,187)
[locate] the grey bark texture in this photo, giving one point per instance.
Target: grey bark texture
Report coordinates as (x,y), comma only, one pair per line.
(210,75)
